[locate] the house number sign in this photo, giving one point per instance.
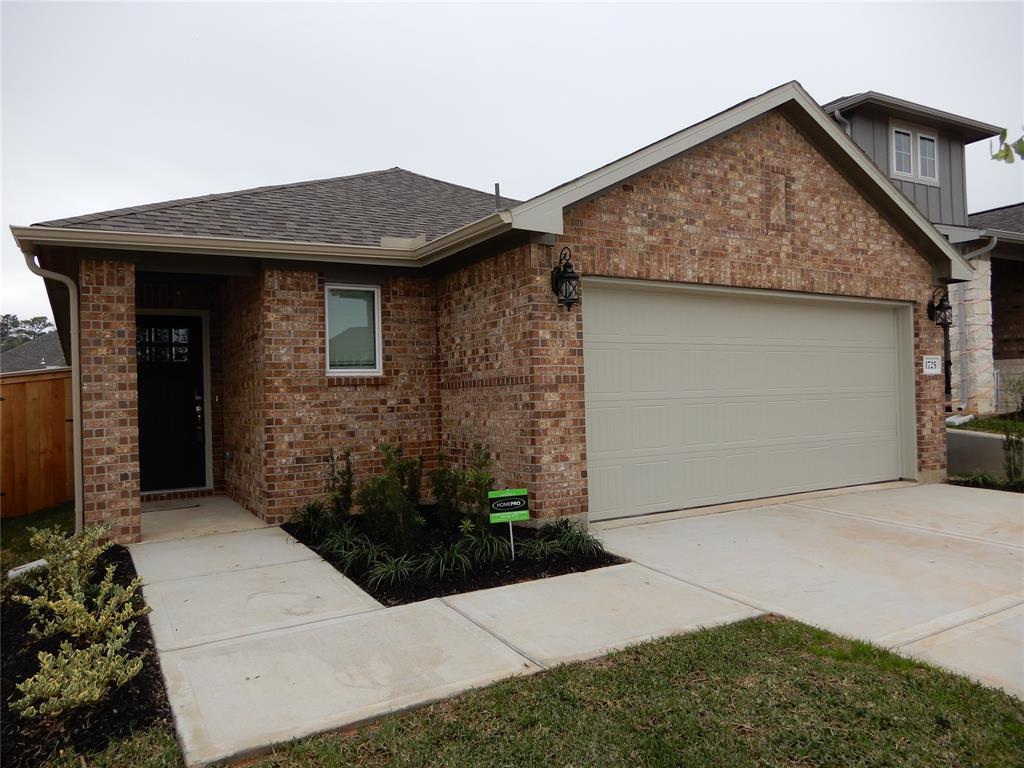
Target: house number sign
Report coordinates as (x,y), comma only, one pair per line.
(931,365)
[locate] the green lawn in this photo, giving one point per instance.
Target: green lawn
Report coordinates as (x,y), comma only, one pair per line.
(994,424)
(14,535)
(764,692)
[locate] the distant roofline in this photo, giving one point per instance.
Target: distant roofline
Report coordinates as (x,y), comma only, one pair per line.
(970,130)
(997,208)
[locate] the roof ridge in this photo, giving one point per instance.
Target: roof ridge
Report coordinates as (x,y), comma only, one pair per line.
(178,202)
(453,184)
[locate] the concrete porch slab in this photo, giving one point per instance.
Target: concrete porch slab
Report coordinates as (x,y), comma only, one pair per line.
(583,615)
(184,518)
(990,650)
(242,695)
(158,561)
(217,606)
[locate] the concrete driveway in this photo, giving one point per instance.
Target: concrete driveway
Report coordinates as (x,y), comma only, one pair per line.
(933,571)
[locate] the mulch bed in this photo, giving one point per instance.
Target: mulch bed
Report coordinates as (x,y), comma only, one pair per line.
(138,704)
(482,577)
(997,486)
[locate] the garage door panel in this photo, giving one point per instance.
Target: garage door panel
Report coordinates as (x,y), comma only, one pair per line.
(697,399)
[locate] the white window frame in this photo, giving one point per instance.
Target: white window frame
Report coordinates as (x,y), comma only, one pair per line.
(935,144)
(892,140)
(916,134)
(378,333)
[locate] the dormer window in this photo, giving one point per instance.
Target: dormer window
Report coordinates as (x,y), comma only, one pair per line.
(926,158)
(914,154)
(901,153)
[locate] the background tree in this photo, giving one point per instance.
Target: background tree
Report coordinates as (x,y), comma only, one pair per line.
(14,331)
(1007,149)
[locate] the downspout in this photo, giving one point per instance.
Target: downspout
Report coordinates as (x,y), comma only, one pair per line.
(843,122)
(983,250)
(76,384)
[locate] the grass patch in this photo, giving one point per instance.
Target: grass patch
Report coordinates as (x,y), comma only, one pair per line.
(764,692)
(14,535)
(993,424)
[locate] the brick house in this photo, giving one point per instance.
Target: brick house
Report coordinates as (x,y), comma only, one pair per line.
(753,322)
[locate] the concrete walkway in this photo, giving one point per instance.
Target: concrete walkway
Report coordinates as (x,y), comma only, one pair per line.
(933,571)
(262,642)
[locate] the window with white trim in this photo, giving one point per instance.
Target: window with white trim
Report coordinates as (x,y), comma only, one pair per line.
(914,154)
(902,156)
(353,330)
(926,167)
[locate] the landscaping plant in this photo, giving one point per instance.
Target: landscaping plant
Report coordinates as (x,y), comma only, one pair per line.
(1013,453)
(390,502)
(462,493)
(340,483)
(94,618)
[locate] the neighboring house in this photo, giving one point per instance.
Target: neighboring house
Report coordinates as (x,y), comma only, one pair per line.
(989,313)
(921,150)
(753,322)
(44,351)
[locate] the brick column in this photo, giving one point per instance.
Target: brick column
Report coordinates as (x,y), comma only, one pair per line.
(110,418)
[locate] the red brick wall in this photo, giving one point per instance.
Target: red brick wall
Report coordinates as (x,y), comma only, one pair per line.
(307,413)
(712,216)
(110,444)
(241,350)
(1007,309)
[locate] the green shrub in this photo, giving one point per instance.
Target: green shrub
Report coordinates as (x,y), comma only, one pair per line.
(977,479)
(391,570)
(1013,453)
(444,562)
(389,501)
(96,618)
(315,519)
(572,538)
(361,553)
(538,548)
(463,492)
(339,482)
(77,676)
(481,546)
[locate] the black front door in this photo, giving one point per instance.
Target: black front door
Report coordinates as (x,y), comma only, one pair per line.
(172,403)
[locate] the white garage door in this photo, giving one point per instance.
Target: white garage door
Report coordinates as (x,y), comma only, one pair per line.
(697,396)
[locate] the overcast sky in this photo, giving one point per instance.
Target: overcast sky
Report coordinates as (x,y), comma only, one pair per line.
(108,105)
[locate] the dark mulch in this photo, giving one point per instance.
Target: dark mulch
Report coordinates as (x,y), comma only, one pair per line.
(140,703)
(990,484)
(482,577)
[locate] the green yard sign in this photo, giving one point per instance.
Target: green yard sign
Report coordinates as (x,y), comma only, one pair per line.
(509,505)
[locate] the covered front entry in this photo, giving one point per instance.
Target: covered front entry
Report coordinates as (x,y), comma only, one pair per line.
(172,366)
(699,395)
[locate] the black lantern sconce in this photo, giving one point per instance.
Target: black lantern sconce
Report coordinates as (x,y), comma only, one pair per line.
(564,281)
(940,311)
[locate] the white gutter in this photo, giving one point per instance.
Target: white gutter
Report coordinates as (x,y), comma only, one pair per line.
(76,376)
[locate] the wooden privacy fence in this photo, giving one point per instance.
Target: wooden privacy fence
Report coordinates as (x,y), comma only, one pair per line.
(36,443)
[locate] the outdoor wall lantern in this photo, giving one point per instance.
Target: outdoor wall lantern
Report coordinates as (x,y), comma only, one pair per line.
(940,311)
(564,281)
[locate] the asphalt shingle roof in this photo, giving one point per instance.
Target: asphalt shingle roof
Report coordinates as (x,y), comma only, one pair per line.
(1009,218)
(347,210)
(31,355)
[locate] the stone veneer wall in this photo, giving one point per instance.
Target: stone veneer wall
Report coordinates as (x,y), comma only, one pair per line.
(970,342)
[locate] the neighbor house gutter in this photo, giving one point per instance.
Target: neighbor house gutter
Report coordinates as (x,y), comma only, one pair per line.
(76,376)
